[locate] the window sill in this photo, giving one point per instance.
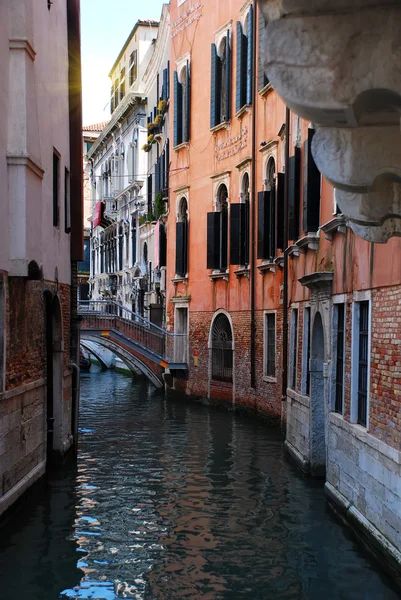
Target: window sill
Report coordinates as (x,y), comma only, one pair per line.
(338,223)
(220,126)
(293,250)
(179,279)
(181,146)
(279,261)
(245,109)
(266,90)
(266,266)
(269,379)
(218,275)
(309,242)
(242,272)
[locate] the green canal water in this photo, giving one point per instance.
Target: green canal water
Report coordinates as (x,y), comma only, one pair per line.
(174,501)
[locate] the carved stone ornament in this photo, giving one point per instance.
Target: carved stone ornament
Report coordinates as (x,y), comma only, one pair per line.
(337,63)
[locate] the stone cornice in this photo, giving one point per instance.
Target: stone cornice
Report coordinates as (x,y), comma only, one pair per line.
(27,161)
(23,44)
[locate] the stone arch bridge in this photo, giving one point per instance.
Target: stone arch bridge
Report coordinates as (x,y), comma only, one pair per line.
(143,346)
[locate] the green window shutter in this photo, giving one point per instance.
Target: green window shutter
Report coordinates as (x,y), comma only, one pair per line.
(249,62)
(262,79)
(228,76)
(213,240)
(311,192)
(235,234)
(239,96)
(179,249)
(187,105)
(215,85)
(280,211)
(294,174)
(177,110)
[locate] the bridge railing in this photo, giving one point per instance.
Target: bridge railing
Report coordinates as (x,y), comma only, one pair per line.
(107,314)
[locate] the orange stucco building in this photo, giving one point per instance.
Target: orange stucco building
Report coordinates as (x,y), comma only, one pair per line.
(330,329)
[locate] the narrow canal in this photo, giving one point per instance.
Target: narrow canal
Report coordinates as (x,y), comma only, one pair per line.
(172,501)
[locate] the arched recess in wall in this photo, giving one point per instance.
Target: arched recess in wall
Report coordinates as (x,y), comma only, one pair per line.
(317,398)
(221,345)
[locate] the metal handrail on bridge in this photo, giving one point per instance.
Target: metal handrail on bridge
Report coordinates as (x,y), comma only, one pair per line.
(108,315)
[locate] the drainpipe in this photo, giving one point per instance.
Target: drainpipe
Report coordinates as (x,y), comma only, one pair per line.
(253,203)
(285,270)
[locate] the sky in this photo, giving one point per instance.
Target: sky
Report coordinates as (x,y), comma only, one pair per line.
(105,25)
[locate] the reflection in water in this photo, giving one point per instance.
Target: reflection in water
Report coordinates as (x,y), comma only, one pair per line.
(173,501)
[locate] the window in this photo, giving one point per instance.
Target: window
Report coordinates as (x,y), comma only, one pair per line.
(166,82)
(133,67)
(270,345)
(182,102)
(270,214)
(339,335)
(311,191)
(56,187)
(67,202)
(133,241)
(181,248)
(217,232)
(293,349)
(122,84)
(262,79)
(239,227)
(120,247)
(360,362)
(150,193)
(220,89)
(84,265)
(244,61)
(222,349)
(306,342)
(294,198)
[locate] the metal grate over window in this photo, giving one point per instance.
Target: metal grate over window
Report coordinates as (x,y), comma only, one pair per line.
(222,349)
(270,345)
(363,362)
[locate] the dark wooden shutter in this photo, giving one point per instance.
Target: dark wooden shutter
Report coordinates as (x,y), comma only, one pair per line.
(168,79)
(311,195)
(294,174)
(224,240)
(177,110)
(157,176)
(215,85)
(235,234)
(280,211)
(249,57)
(150,193)
(187,105)
(133,238)
(239,98)
(162,246)
(228,77)
(271,225)
(179,248)
(165,84)
(185,247)
(263,217)
(245,233)
(167,166)
(262,79)
(213,240)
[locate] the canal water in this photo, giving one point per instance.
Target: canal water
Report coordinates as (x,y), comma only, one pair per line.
(174,501)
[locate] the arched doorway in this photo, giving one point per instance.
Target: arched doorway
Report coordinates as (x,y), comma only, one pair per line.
(317,401)
(222,350)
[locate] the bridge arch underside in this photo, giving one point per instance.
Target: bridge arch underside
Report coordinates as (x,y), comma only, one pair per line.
(89,347)
(132,361)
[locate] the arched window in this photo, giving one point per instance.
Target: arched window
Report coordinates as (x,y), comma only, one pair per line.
(182,101)
(145,254)
(244,75)
(181,255)
(217,232)
(222,349)
(220,90)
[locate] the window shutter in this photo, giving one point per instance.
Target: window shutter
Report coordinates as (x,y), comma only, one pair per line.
(162,246)
(133,237)
(311,195)
(235,234)
(177,110)
(249,68)
(245,233)
(215,88)
(165,78)
(262,79)
(280,211)
(168,79)
(263,215)
(157,176)
(150,193)
(228,77)
(167,165)
(185,248)
(179,248)
(213,240)
(224,240)
(271,225)
(294,173)
(187,105)
(239,70)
